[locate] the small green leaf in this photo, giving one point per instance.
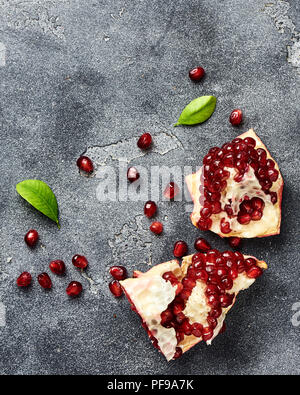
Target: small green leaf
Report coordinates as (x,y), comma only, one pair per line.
(198,111)
(40,196)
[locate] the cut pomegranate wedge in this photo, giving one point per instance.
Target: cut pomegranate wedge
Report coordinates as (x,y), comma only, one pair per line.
(238,190)
(180,305)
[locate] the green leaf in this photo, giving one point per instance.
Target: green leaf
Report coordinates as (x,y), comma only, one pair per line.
(40,196)
(198,111)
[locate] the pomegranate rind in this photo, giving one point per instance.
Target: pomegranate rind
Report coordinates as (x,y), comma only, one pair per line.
(194,182)
(141,283)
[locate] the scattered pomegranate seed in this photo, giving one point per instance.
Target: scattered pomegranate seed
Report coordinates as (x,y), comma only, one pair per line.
(118,272)
(144,141)
(178,353)
(236,117)
(45,281)
(150,209)
(234,241)
(202,245)
(180,249)
(115,288)
(24,280)
(57,267)
(196,74)
(74,288)
(156,227)
(132,174)
(31,238)
(80,261)
(85,164)
(171,190)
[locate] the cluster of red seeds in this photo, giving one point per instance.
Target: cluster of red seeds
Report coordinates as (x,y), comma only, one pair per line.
(218,270)
(239,154)
(57,267)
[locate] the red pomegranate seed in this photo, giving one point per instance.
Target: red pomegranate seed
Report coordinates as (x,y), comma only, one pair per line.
(273,174)
(222,271)
(215,312)
(256,215)
(31,238)
(132,174)
(144,141)
(273,197)
(211,289)
(196,74)
(118,272)
(226,300)
(171,190)
(45,281)
(186,328)
(233,273)
(178,353)
(254,272)
(179,337)
(204,224)
(250,141)
(212,322)
(198,258)
(244,219)
(177,308)
(197,329)
(24,280)
(188,283)
(156,227)
(85,164)
(80,261)
(225,226)
(257,203)
(249,262)
(180,249)
(202,245)
(74,288)
(185,294)
(57,267)
(234,241)
(208,333)
(170,276)
(213,301)
(150,209)
(226,283)
(236,117)
(166,317)
(202,275)
(180,318)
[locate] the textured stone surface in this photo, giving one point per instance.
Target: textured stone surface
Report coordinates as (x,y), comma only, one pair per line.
(77,75)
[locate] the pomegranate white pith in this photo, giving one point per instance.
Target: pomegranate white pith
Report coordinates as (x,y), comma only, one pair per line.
(239,190)
(152,295)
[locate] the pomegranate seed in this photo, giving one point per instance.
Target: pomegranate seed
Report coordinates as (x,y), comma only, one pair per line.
(185,294)
(208,333)
(177,308)
(132,174)
(197,329)
(226,283)
(236,117)
(178,353)
(270,164)
(254,272)
(213,301)
(171,190)
(186,328)
(250,141)
(45,281)
(80,261)
(156,227)
(166,317)
(31,238)
(180,318)
(144,141)
(225,226)
(24,280)
(196,74)
(198,258)
(85,164)
(74,288)
(188,283)
(201,275)
(244,219)
(57,267)
(212,322)
(204,224)
(150,209)
(234,241)
(240,265)
(211,289)
(233,273)
(179,337)
(273,197)
(180,249)
(222,271)
(256,215)
(118,272)
(257,204)
(249,262)
(170,276)
(205,212)
(215,312)
(226,300)
(202,245)
(273,174)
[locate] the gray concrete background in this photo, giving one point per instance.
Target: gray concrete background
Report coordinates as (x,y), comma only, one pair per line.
(77,75)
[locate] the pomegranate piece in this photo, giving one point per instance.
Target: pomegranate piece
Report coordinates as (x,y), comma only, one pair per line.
(156,227)
(115,288)
(45,281)
(171,190)
(150,209)
(31,238)
(191,307)
(80,261)
(196,74)
(202,245)
(85,164)
(132,174)
(74,289)
(180,249)
(145,141)
(236,117)
(57,267)
(24,280)
(238,191)
(118,272)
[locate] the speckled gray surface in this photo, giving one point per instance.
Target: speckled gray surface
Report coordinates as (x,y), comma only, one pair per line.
(77,74)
